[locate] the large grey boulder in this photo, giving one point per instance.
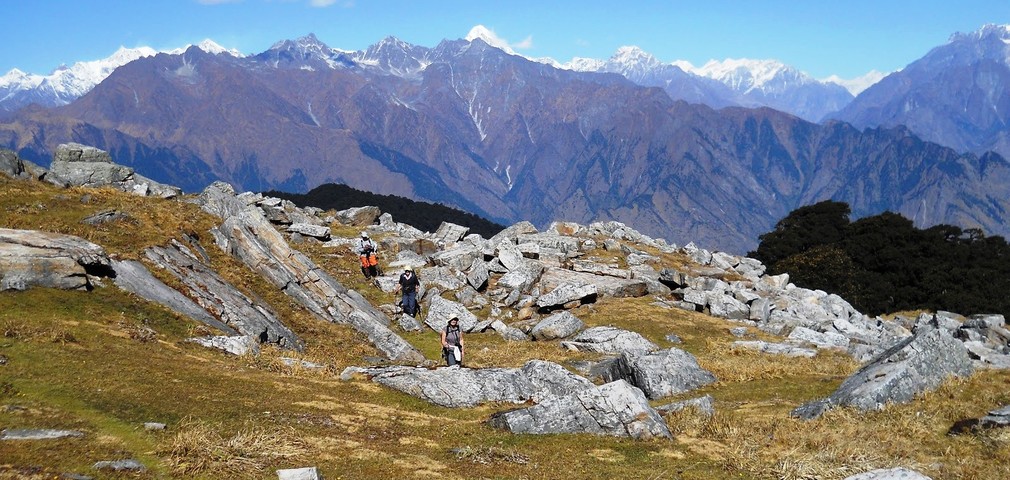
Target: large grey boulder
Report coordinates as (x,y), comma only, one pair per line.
(319,232)
(606,339)
(456,387)
(247,235)
(552,380)
(134,277)
(221,298)
(606,286)
(449,233)
(617,409)
(359,216)
(14,166)
(30,258)
(441,310)
(559,325)
(83,166)
(567,293)
(916,364)
(660,374)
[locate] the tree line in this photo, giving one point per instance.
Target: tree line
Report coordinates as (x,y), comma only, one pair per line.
(884,264)
(424,216)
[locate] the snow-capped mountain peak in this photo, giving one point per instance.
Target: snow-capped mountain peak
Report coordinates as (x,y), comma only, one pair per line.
(745,74)
(634,56)
(489,37)
(208,46)
(855,86)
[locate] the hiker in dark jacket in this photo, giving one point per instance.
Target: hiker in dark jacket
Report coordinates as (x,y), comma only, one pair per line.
(452,341)
(408,285)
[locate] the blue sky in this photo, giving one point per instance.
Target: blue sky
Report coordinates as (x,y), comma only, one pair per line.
(820,37)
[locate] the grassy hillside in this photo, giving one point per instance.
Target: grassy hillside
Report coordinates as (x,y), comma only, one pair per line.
(104,362)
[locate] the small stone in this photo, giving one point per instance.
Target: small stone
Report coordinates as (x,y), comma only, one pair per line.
(153,426)
(120,465)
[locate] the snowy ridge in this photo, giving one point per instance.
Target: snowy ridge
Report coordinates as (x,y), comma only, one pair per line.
(66,84)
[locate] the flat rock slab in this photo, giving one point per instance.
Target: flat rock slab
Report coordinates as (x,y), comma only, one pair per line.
(617,409)
(606,339)
(456,387)
(559,325)
(38,434)
(775,348)
(307,473)
(126,465)
(605,286)
(30,258)
(890,474)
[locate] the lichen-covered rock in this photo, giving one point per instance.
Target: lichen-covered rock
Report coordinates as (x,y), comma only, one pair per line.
(566,293)
(912,366)
(559,325)
(617,409)
(456,387)
(660,374)
(605,339)
(30,258)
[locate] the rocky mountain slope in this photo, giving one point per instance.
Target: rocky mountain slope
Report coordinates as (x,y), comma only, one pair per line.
(957,95)
(468,125)
(270,355)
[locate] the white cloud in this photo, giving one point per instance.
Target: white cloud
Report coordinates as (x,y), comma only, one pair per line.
(327,3)
(525,44)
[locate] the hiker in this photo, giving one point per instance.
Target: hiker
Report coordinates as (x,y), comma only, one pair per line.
(366,251)
(452,341)
(408,284)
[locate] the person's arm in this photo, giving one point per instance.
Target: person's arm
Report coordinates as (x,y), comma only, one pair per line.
(444,345)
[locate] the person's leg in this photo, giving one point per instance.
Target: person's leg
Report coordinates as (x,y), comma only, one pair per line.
(410,304)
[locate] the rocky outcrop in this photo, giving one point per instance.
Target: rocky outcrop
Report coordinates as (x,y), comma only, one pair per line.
(914,365)
(559,325)
(14,166)
(660,374)
(30,258)
(456,387)
(134,277)
(359,216)
(605,339)
(221,298)
(617,409)
(246,234)
(83,166)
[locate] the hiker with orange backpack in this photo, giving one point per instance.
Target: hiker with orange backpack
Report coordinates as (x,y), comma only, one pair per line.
(366,252)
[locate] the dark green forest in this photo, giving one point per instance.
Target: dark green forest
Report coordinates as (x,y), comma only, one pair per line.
(884,264)
(421,215)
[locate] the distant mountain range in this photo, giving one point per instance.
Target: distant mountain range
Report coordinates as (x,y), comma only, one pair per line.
(66,84)
(476,127)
